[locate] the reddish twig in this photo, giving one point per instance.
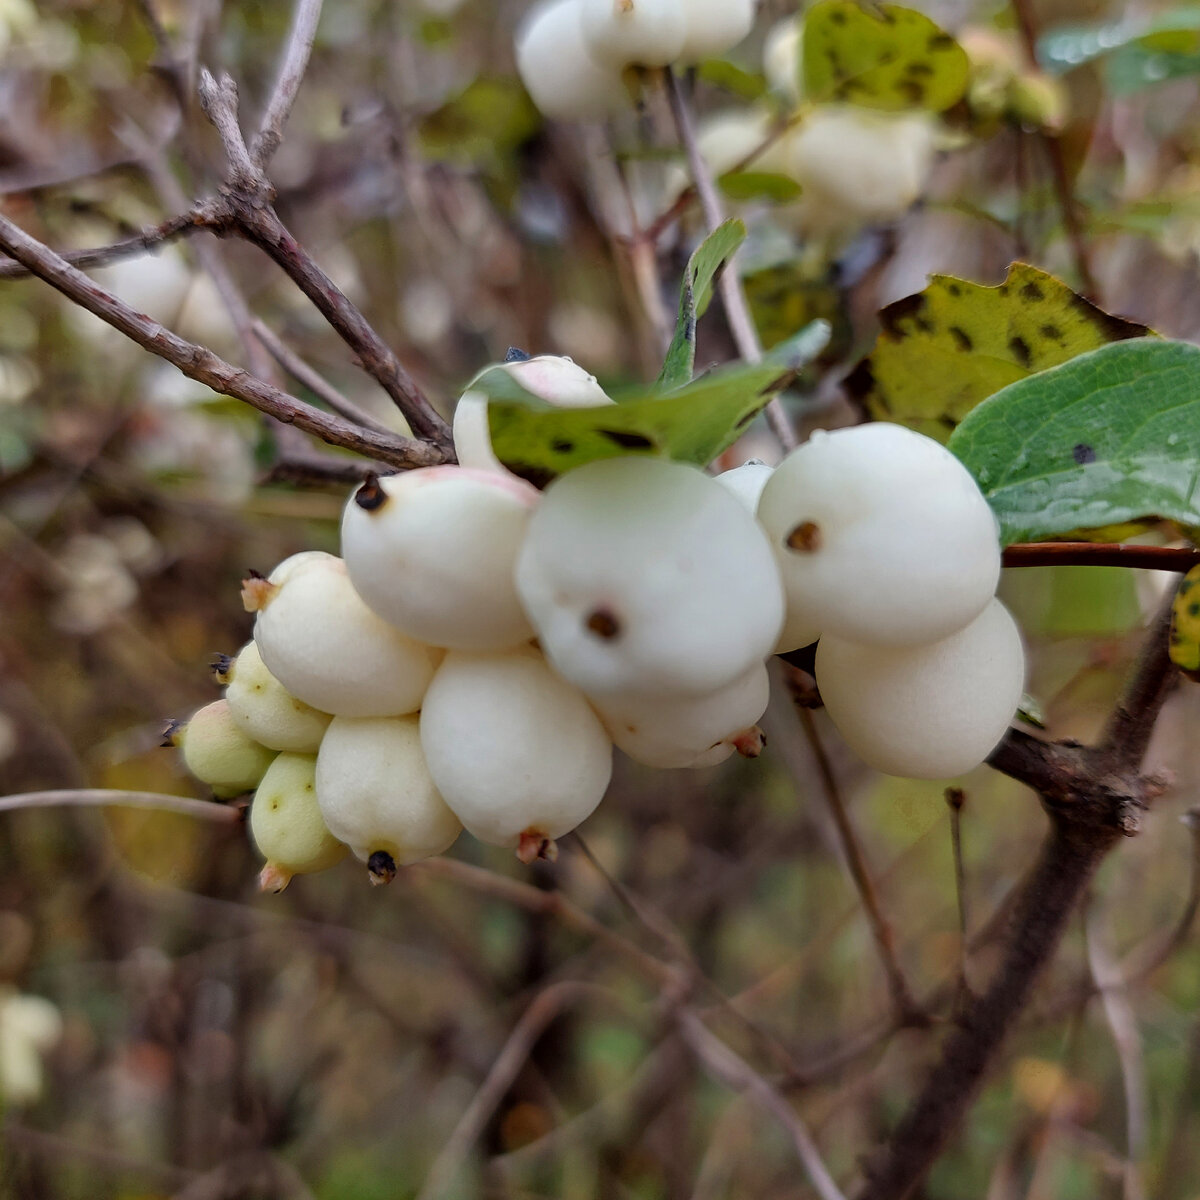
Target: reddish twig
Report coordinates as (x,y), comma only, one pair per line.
(1101,554)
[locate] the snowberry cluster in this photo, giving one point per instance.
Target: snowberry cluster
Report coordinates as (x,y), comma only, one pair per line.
(479,648)
(571,54)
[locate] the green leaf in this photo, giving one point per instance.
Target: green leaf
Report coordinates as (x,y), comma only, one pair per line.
(1111,436)
(759,185)
(1185,625)
(891,58)
(693,423)
(951,346)
(694,295)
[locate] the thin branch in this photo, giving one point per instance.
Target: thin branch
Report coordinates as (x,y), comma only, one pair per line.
(907,1011)
(300,371)
(201,364)
(724,1064)
(149,239)
(305,17)
(208,810)
(733,295)
(248,195)
(1101,554)
(507,1066)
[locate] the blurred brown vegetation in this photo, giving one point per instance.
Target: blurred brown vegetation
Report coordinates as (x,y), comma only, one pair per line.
(327,1042)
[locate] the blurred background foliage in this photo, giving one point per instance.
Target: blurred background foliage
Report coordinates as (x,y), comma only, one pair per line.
(327,1042)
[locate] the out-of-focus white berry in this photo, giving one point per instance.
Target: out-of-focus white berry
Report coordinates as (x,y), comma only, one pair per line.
(29,1027)
(859,167)
(516,752)
(642,575)
(747,482)
(559,74)
(377,796)
(557,381)
(882,536)
(714,26)
(218,752)
(265,709)
(926,712)
(286,824)
(327,648)
(782,62)
(624,33)
(689,731)
(433,551)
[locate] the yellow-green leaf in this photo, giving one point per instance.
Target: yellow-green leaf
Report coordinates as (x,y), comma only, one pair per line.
(1185,625)
(890,57)
(945,349)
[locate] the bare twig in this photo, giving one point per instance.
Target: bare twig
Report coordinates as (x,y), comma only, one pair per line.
(1123,1025)
(733,295)
(300,371)
(505,1069)
(100,256)
(248,196)
(724,1064)
(203,365)
(305,17)
(907,1010)
(208,810)
(955,800)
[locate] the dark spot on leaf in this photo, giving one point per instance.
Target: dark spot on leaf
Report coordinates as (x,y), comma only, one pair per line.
(860,384)
(912,90)
(370,497)
(1194,608)
(838,18)
(1052,332)
(1116,329)
(901,310)
(954,289)
(805,538)
(886,17)
(962,339)
(514,354)
(1083,453)
(562,446)
(887,58)
(1032,292)
(1186,586)
(604,624)
(1019,348)
(920,68)
(627,440)
(938,42)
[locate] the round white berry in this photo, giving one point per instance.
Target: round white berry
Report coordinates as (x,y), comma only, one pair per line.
(218,752)
(881,535)
(327,648)
(926,712)
(265,709)
(377,796)
(644,33)
(286,824)
(689,731)
(559,74)
(432,552)
(515,750)
(714,26)
(642,575)
(747,482)
(782,63)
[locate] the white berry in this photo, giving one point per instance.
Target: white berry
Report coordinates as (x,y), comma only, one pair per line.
(882,536)
(377,796)
(432,552)
(327,648)
(642,575)
(714,26)
(559,74)
(286,824)
(218,752)
(644,33)
(515,750)
(265,709)
(689,731)
(747,482)
(926,712)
